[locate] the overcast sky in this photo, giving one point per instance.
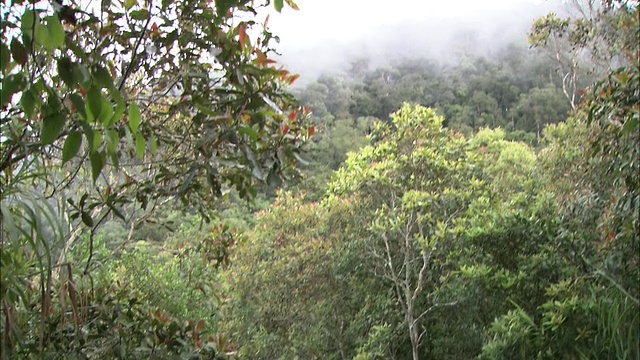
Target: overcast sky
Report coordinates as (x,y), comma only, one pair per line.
(325,34)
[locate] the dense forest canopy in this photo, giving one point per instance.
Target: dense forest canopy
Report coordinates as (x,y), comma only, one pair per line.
(167,194)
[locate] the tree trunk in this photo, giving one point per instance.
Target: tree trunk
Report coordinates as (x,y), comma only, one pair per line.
(413,334)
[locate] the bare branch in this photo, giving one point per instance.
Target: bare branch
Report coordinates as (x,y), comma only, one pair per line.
(433,307)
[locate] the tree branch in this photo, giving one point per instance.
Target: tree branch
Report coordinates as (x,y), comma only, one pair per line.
(129,68)
(433,307)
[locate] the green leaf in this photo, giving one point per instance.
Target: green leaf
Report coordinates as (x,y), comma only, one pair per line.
(78,103)
(51,127)
(118,112)
(140,14)
(26,22)
(53,104)
(96,141)
(250,132)
(629,125)
(28,102)
(140,146)
(128,4)
(88,134)
(134,117)
(112,141)
(103,76)
(43,36)
(94,99)
(154,145)
(4,56)
(115,161)
(65,71)
(56,31)
(106,113)
(292,4)
(10,85)
(71,146)
(278,4)
(97,163)
(18,52)
(223,6)
(86,218)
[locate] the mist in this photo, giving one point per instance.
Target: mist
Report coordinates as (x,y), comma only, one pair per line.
(325,37)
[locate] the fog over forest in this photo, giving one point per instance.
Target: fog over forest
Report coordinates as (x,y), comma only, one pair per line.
(326,37)
(400,180)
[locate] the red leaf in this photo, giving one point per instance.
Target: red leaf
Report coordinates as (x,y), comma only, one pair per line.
(611,236)
(306,110)
(261,59)
(293,78)
(292,115)
(311,130)
(199,325)
(83,92)
(154,27)
(242,34)
(285,130)
(283,74)
(266,22)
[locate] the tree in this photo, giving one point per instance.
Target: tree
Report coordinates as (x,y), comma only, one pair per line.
(590,165)
(589,45)
(537,108)
(579,260)
(328,151)
(201,90)
(298,285)
(413,185)
(120,106)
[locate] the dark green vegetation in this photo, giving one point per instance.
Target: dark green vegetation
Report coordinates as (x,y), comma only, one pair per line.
(494,215)
(112,117)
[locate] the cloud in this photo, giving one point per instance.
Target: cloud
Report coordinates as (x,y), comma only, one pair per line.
(325,35)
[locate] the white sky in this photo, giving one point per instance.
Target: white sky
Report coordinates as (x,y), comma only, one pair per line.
(319,19)
(324,34)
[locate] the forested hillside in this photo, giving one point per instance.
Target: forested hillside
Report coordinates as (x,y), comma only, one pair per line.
(167,193)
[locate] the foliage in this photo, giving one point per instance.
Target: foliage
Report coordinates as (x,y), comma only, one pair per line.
(601,39)
(513,91)
(110,111)
(415,183)
(590,166)
(540,107)
(309,263)
(124,124)
(513,249)
(332,142)
(296,288)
